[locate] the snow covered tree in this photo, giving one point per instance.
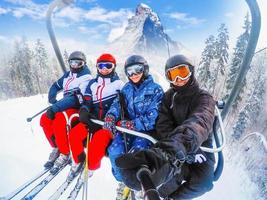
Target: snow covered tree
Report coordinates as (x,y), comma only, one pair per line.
(238,55)
(222,48)
(204,70)
(253,106)
(221,57)
(66,58)
(21,69)
(41,70)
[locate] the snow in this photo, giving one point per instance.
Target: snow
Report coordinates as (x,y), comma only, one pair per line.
(24,149)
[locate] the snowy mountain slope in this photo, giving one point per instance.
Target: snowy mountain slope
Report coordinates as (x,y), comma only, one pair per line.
(23,152)
(144,34)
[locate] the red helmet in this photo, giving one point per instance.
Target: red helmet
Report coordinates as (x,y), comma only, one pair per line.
(106,57)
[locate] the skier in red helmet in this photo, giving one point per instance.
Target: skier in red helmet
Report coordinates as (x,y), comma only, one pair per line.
(99,95)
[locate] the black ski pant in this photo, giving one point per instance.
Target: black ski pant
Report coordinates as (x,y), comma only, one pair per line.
(193,181)
(187,182)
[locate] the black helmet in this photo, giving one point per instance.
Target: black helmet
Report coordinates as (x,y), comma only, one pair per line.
(177,60)
(77,55)
(76,61)
(137,59)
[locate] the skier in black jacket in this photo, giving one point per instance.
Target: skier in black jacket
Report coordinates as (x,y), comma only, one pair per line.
(179,168)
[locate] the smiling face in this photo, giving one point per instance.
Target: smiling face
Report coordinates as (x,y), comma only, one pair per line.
(135,78)
(105,71)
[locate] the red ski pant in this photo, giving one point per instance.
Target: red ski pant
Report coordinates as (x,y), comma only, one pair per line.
(56,130)
(96,148)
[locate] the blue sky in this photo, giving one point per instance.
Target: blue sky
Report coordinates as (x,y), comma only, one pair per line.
(96,22)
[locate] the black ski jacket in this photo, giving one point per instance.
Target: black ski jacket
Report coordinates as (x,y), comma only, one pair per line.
(186,116)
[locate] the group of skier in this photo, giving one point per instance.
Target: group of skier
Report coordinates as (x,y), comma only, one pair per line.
(180,119)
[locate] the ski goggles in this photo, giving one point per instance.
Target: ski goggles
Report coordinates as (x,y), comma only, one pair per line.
(180,71)
(134,70)
(76,63)
(107,65)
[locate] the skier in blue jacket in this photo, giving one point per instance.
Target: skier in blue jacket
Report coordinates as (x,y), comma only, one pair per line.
(142,97)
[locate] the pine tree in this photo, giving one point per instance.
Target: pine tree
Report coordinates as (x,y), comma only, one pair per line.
(22,73)
(208,54)
(239,52)
(221,57)
(250,112)
(222,48)
(66,58)
(41,70)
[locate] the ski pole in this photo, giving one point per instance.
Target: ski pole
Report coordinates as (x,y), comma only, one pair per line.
(29,119)
(143,175)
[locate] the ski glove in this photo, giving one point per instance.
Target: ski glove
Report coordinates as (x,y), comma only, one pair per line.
(109,123)
(173,147)
(85,116)
(50,113)
(126,124)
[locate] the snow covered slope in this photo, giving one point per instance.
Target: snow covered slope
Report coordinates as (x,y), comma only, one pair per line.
(24,149)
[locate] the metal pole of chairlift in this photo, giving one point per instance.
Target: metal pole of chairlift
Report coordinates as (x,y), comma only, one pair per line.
(245,65)
(59,4)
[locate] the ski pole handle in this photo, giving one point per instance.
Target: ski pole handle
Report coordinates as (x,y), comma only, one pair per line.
(29,119)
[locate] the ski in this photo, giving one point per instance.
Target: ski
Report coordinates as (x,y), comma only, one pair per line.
(74,193)
(62,188)
(30,195)
(25,185)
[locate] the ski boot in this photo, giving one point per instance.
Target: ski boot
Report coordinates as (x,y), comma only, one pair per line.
(74,171)
(52,157)
(59,163)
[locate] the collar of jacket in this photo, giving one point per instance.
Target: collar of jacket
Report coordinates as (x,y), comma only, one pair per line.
(187,90)
(110,78)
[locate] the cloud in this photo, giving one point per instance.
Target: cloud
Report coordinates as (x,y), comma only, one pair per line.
(186,19)
(3,11)
(116,32)
(229,14)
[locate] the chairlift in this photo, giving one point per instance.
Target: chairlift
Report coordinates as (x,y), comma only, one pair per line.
(220,116)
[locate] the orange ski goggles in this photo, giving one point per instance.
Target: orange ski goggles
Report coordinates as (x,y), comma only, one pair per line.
(180,71)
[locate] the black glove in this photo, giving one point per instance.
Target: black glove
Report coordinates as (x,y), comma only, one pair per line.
(84,115)
(50,113)
(173,146)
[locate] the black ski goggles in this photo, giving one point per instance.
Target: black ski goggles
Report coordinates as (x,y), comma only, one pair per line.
(134,70)
(75,64)
(107,65)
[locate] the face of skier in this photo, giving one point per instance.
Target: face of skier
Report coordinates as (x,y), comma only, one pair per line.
(105,68)
(135,78)
(178,75)
(135,72)
(179,82)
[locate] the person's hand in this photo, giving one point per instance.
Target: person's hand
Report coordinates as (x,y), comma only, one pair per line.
(50,113)
(109,123)
(84,115)
(173,147)
(126,124)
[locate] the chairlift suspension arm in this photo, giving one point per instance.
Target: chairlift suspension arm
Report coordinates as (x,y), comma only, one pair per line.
(245,65)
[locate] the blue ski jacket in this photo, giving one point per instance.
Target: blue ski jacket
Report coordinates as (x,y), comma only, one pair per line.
(142,104)
(73,86)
